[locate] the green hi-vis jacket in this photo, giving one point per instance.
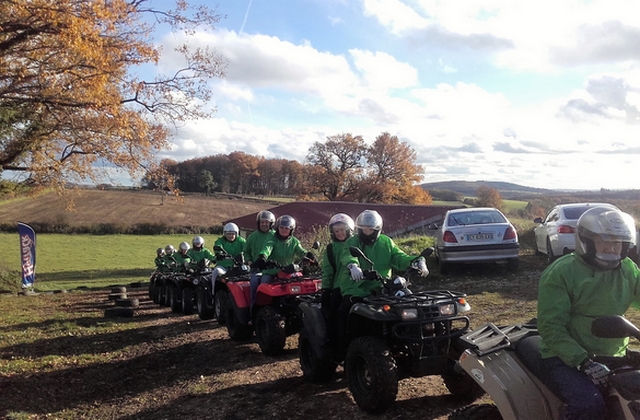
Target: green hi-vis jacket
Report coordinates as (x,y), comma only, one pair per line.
(256,242)
(233,248)
(384,254)
(180,261)
(197,256)
(331,269)
(570,295)
(283,252)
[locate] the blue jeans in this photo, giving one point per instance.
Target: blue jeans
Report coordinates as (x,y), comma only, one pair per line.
(257,278)
(583,400)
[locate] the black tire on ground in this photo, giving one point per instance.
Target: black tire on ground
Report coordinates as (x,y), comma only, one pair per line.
(513,264)
(313,369)
(270,331)
(130,302)
(187,301)
(205,305)
(477,412)
(173,296)
(116,296)
(372,374)
(236,330)
(119,289)
(550,257)
(165,299)
(220,301)
(152,291)
(462,385)
(116,311)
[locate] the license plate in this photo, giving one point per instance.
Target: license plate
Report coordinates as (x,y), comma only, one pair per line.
(480,237)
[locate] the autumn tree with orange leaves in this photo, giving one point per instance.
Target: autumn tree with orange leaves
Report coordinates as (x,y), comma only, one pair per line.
(488,197)
(72,106)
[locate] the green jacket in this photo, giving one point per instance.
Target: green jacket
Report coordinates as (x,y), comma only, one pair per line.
(233,248)
(167,264)
(283,252)
(385,255)
(197,256)
(180,261)
(332,269)
(256,242)
(570,295)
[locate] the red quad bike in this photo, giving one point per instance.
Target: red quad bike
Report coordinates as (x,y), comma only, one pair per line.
(183,289)
(390,336)
(211,299)
(505,361)
(276,313)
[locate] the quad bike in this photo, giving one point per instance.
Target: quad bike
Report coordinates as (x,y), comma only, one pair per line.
(183,288)
(211,298)
(505,362)
(390,336)
(161,285)
(275,314)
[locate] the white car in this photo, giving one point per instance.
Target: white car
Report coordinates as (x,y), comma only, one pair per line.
(555,234)
(476,235)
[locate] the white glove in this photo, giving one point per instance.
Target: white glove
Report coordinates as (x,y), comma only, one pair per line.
(420,264)
(356,272)
(597,372)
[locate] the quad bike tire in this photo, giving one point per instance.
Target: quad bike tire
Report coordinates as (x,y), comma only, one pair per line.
(118,312)
(271,332)
(237,331)
(173,296)
(314,370)
(372,374)
(476,412)
(165,298)
(205,305)
(152,291)
(131,302)
(220,302)
(187,301)
(462,385)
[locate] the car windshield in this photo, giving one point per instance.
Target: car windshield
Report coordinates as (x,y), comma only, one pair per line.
(475,218)
(574,213)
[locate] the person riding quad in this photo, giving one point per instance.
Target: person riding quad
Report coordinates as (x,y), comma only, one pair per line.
(159,260)
(283,248)
(182,258)
(199,252)
(233,244)
(257,239)
(169,263)
(341,228)
(597,279)
(384,254)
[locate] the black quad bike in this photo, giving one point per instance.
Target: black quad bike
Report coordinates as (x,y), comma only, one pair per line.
(390,336)
(182,290)
(275,314)
(506,362)
(211,298)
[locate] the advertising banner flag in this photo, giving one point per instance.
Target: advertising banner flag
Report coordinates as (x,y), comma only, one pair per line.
(27,254)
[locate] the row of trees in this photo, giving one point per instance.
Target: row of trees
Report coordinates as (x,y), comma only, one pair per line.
(343,168)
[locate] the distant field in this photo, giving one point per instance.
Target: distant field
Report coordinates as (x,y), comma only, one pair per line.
(126,208)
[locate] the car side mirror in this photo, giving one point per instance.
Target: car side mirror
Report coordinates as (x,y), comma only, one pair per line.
(537,220)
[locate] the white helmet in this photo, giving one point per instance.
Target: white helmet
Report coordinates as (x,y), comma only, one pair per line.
(369,219)
(606,225)
(198,242)
(341,218)
(169,249)
(231,228)
(184,246)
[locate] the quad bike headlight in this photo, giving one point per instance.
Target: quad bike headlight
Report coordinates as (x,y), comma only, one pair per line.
(448,309)
(295,289)
(409,314)
(195,282)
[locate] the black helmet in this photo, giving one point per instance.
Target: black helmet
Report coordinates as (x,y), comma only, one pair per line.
(285,221)
(344,219)
(369,219)
(607,225)
(265,215)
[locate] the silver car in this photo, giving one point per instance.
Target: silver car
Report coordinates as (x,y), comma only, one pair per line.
(555,234)
(476,235)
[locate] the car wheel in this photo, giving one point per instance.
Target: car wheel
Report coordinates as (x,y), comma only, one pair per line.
(550,257)
(372,374)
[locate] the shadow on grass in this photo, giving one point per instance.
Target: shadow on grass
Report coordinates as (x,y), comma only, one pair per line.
(84,275)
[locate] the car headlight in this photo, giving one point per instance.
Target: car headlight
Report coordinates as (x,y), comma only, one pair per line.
(448,309)
(409,314)
(295,289)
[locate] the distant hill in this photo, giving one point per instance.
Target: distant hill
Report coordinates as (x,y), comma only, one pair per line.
(506,189)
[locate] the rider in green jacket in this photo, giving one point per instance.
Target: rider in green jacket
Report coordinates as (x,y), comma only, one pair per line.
(199,252)
(233,244)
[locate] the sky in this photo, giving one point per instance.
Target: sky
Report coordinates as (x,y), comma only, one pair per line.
(544,94)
